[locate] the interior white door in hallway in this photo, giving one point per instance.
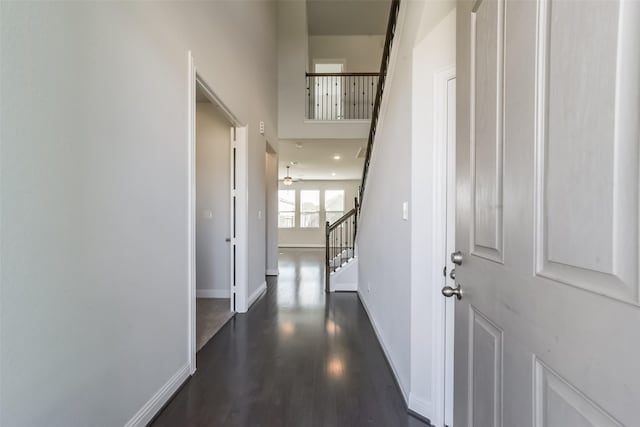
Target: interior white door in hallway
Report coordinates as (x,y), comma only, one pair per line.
(548,112)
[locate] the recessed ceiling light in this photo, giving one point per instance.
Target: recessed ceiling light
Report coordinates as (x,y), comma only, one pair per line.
(293,163)
(336,157)
(298,144)
(333,174)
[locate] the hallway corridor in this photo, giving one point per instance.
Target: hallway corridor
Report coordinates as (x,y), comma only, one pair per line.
(298,358)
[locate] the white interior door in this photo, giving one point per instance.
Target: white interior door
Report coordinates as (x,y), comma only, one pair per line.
(233,229)
(548,328)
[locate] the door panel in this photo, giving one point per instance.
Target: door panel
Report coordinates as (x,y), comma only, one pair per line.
(548,329)
(486,127)
(558,403)
(577,113)
(485,370)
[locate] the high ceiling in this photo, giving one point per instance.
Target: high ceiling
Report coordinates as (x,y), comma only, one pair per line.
(314,159)
(347,17)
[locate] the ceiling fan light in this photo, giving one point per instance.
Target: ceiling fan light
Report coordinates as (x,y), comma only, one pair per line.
(287,179)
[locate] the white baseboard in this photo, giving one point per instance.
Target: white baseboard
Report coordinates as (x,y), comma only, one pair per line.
(272,272)
(212,293)
(403,391)
(256,294)
(157,401)
(345,287)
(301,245)
(420,406)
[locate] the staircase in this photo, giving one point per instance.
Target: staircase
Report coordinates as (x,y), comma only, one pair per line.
(341,266)
(341,272)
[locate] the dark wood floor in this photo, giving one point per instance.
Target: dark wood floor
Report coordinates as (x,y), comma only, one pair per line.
(298,358)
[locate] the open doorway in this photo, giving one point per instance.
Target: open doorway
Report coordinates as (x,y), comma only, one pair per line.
(237,205)
(213,219)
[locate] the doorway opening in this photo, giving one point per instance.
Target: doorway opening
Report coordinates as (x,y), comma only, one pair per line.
(232,197)
(328,92)
(214,296)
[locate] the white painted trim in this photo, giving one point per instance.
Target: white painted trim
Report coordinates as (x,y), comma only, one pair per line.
(257,293)
(212,293)
(450,304)
(232,221)
(242,218)
(301,245)
(345,287)
(162,396)
(387,354)
(420,406)
(215,100)
(191,215)
(272,272)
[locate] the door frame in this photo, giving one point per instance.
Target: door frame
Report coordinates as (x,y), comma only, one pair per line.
(239,221)
(444,240)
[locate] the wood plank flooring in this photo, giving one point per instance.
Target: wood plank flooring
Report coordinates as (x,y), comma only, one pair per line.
(298,358)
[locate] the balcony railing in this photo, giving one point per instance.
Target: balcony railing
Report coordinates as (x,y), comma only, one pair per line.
(340,96)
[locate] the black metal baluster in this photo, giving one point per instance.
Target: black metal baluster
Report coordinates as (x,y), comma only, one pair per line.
(319,97)
(353,97)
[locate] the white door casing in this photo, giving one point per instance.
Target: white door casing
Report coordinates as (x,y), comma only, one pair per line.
(240,215)
(239,212)
(547,332)
(449,321)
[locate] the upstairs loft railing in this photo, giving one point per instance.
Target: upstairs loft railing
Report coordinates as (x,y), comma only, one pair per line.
(384,66)
(340,96)
(340,243)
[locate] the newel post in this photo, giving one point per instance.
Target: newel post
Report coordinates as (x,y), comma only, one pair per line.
(327,270)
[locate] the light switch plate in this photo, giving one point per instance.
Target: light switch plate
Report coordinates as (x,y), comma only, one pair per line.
(405,211)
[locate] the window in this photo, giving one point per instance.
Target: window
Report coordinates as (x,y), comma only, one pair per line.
(286,208)
(309,208)
(334,204)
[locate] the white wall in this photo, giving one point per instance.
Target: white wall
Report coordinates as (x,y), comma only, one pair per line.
(293,61)
(94,209)
(361,53)
(385,239)
(315,237)
(213,217)
(271,216)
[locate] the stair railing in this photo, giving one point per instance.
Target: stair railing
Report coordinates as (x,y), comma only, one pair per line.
(340,243)
(384,66)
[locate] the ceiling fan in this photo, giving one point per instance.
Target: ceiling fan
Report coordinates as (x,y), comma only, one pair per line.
(288,180)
